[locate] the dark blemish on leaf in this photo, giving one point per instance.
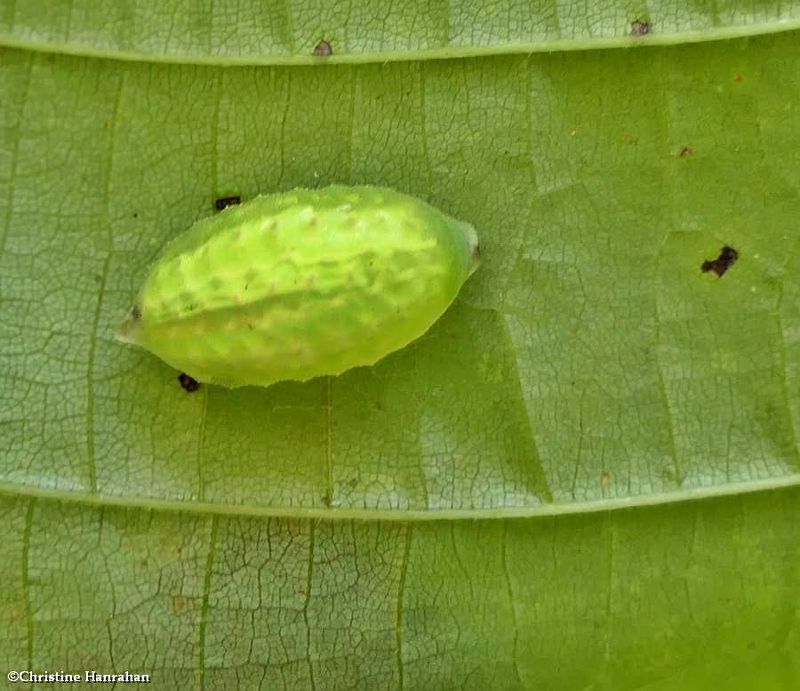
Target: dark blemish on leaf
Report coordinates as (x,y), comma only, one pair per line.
(326,499)
(323,49)
(179,604)
(686,151)
(136,313)
(727,258)
(188,384)
(250,326)
(640,27)
(738,78)
(225,202)
(605,478)
(136,214)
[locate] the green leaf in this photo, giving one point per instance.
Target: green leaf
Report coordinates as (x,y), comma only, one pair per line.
(470,486)
(253,32)
(693,596)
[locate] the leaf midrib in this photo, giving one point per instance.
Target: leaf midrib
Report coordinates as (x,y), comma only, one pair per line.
(447,53)
(347,514)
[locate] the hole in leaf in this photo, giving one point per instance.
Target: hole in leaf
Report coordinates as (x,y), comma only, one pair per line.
(225,202)
(726,259)
(188,384)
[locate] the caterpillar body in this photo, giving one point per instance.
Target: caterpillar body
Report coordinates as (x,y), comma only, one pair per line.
(301,284)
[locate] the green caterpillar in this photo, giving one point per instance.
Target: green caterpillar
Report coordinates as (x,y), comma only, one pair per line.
(300,285)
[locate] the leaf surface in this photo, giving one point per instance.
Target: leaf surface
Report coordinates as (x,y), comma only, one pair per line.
(589,364)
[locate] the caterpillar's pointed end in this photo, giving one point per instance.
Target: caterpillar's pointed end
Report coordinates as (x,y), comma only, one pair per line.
(128,329)
(475,258)
(471,236)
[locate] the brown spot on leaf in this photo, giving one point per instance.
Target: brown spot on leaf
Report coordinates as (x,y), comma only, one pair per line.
(685,151)
(726,259)
(189,384)
(640,27)
(323,49)
(738,78)
(605,478)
